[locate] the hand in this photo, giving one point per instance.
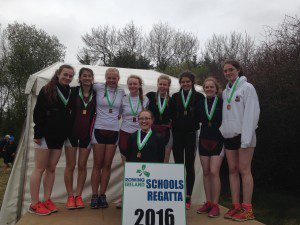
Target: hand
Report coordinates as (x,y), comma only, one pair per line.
(37,141)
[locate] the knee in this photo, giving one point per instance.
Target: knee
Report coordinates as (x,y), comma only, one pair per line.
(234,170)
(206,172)
(244,171)
(50,169)
(39,170)
(81,167)
(106,166)
(214,173)
(70,166)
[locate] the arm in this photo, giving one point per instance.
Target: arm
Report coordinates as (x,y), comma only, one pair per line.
(40,115)
(251,116)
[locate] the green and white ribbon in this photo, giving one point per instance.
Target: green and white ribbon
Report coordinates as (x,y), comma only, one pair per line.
(108,97)
(62,97)
(82,98)
(161,108)
(140,143)
(233,90)
(134,112)
(187,101)
(212,110)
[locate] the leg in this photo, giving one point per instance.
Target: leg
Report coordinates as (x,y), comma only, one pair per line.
(234,179)
(215,165)
(106,170)
(205,162)
(70,153)
(40,158)
(98,153)
(190,151)
(167,154)
(50,172)
(178,147)
(82,170)
(245,159)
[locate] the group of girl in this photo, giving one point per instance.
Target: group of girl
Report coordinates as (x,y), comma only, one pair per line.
(87,116)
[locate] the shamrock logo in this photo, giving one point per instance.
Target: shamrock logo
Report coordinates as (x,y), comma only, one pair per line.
(143,171)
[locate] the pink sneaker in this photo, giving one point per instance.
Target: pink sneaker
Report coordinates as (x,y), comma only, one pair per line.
(50,205)
(205,208)
(234,210)
(214,212)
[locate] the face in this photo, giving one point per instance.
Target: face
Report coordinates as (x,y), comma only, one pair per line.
(186,83)
(163,86)
(112,79)
(210,88)
(145,121)
(133,85)
(66,76)
(230,72)
(86,78)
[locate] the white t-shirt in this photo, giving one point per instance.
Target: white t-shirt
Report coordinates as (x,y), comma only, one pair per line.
(127,117)
(105,119)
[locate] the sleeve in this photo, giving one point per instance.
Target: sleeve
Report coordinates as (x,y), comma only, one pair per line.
(173,106)
(251,116)
(128,150)
(40,115)
(160,149)
(97,86)
(146,102)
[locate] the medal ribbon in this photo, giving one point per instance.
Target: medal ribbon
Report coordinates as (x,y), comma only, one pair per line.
(186,102)
(233,90)
(161,108)
(82,98)
(145,140)
(212,110)
(108,97)
(62,97)
(134,113)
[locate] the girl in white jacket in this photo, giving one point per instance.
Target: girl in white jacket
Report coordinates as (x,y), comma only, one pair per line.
(240,118)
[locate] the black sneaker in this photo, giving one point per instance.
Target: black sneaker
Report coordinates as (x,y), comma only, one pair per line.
(102,203)
(94,202)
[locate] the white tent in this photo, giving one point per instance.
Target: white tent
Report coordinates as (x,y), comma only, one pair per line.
(17,197)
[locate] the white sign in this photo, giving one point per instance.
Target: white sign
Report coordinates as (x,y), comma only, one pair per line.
(154,194)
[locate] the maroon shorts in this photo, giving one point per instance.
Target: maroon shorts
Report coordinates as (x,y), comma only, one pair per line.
(123,141)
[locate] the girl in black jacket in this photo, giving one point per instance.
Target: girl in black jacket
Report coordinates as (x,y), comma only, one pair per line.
(52,118)
(185,124)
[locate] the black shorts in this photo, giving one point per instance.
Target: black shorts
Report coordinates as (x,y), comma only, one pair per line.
(109,137)
(50,143)
(210,147)
(233,143)
(79,142)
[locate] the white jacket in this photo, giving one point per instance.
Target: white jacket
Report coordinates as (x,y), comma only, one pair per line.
(242,118)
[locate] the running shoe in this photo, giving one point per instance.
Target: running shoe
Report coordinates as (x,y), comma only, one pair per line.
(214,212)
(243,215)
(94,202)
(119,205)
(102,201)
(188,203)
(71,203)
(39,209)
(79,202)
(50,205)
(234,210)
(205,208)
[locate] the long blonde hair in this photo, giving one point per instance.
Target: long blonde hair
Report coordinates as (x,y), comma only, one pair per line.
(141,95)
(167,78)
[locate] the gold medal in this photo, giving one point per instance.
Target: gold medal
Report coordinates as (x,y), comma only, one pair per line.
(209,123)
(185,112)
(84,111)
(139,155)
(110,110)
(228,107)
(134,119)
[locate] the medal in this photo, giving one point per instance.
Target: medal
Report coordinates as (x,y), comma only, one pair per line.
(139,155)
(232,92)
(84,111)
(141,144)
(161,107)
(134,119)
(62,97)
(210,114)
(111,104)
(186,102)
(134,112)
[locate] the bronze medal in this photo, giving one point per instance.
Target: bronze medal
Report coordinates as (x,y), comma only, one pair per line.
(84,111)
(160,117)
(134,119)
(209,123)
(139,155)
(110,110)
(185,112)
(228,107)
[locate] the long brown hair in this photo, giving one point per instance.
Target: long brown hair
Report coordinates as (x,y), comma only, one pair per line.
(167,78)
(141,96)
(50,88)
(235,64)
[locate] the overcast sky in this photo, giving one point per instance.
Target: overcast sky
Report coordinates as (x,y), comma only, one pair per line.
(69,19)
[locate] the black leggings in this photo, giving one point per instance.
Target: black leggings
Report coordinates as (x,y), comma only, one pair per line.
(184,147)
